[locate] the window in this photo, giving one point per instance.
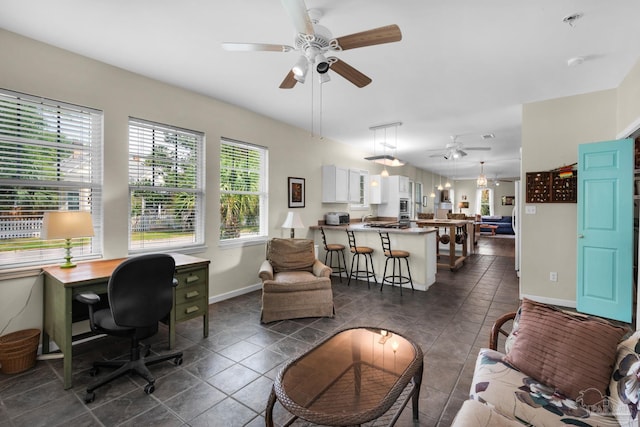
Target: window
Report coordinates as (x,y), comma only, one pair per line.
(363,191)
(484,201)
(243,191)
(166,187)
(50,159)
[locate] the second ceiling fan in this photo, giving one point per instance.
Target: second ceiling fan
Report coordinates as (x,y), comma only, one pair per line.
(315,41)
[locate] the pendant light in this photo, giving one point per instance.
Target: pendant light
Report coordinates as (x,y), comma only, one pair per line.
(440,188)
(482,179)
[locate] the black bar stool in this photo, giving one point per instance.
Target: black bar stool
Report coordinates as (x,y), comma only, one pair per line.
(338,249)
(395,256)
(357,252)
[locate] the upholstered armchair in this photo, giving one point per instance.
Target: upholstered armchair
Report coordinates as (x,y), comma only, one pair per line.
(294,283)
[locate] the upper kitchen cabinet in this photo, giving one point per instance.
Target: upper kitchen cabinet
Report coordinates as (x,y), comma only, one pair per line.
(377,193)
(340,185)
(403,186)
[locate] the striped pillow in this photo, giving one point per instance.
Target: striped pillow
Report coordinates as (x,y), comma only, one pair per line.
(572,353)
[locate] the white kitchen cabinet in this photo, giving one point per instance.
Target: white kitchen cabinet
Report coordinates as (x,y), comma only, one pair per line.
(394,188)
(403,186)
(376,193)
(354,186)
(340,185)
(335,184)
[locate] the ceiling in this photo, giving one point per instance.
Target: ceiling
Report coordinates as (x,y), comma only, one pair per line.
(463,67)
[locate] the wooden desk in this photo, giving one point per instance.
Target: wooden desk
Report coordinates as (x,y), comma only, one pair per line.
(452,224)
(61,285)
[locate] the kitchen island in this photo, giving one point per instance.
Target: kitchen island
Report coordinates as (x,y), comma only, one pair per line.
(419,242)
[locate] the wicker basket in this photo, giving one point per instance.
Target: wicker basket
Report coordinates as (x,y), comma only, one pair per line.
(18,350)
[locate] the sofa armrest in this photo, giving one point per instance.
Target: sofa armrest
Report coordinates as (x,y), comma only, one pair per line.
(497,329)
(266,271)
(321,270)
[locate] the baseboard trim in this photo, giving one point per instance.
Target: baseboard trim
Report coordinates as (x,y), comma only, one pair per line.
(235,293)
(552,301)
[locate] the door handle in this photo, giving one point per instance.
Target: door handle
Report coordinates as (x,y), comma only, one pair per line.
(580,236)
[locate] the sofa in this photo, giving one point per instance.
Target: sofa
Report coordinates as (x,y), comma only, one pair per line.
(294,283)
(502,222)
(558,368)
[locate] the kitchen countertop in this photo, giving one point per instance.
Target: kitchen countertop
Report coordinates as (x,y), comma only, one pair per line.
(359,226)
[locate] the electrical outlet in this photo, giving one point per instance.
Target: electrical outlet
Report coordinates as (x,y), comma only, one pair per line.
(553,276)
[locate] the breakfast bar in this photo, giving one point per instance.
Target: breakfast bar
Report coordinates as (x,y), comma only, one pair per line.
(419,242)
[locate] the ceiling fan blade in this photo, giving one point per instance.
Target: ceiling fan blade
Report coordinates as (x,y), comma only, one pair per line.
(256,47)
(477,148)
(387,34)
(289,81)
(298,14)
(349,73)
(438,155)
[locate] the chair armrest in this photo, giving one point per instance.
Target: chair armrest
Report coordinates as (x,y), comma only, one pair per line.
(496,329)
(321,270)
(89,298)
(266,271)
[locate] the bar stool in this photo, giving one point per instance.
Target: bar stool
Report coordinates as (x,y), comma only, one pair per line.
(330,249)
(357,252)
(394,256)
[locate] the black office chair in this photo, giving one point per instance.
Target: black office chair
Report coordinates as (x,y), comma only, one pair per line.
(140,293)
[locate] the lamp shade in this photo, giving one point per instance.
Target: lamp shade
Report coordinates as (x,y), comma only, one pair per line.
(66,225)
(293,221)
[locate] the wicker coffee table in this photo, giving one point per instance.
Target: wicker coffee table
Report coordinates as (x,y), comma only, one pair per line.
(355,376)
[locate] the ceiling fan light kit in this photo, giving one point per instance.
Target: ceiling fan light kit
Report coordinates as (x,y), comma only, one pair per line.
(313,41)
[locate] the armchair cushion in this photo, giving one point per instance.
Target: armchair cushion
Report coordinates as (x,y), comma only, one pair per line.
(291,254)
(294,283)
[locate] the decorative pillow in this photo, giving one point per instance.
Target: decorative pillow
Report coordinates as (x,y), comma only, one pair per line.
(625,384)
(573,353)
(511,338)
(291,254)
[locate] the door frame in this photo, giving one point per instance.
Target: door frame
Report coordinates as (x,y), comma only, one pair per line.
(633,131)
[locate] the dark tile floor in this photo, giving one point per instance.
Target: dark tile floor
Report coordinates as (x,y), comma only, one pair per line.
(226,378)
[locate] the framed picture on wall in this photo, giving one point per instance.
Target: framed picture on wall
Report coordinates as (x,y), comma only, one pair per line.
(296,192)
(508,200)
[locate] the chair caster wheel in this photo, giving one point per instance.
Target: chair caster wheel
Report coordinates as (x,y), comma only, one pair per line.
(149,388)
(94,371)
(177,361)
(89,397)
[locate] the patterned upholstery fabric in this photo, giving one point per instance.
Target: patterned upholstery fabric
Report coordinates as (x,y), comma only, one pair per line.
(517,396)
(625,382)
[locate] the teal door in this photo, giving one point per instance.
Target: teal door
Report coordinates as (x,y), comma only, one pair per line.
(605,229)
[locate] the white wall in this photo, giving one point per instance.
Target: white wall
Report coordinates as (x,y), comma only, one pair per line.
(39,69)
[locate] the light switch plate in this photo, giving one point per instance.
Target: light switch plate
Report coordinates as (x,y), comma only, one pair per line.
(531,210)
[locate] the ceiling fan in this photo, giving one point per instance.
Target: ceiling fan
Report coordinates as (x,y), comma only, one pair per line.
(315,41)
(456,150)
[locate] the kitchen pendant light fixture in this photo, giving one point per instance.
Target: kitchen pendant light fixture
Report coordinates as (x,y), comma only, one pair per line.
(440,188)
(482,179)
(386,159)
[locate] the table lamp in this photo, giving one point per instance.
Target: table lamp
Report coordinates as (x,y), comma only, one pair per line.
(293,221)
(66,225)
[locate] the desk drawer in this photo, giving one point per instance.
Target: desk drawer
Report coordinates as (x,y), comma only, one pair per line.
(191,309)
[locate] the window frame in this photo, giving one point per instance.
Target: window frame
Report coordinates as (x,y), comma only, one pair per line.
(197,190)
(262,193)
(70,138)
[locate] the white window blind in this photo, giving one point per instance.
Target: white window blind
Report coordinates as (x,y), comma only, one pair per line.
(243,191)
(50,159)
(166,186)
